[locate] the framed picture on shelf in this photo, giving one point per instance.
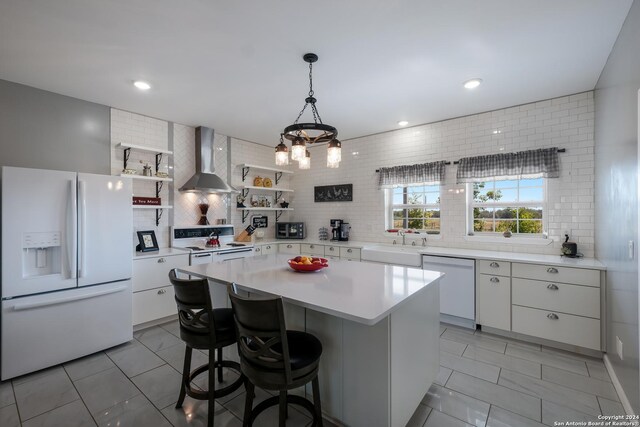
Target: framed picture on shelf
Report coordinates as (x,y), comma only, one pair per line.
(148,241)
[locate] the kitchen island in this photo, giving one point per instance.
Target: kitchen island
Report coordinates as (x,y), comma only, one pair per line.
(379,327)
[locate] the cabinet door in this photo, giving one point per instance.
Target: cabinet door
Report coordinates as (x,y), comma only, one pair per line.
(269,249)
(494,301)
(150,273)
(289,248)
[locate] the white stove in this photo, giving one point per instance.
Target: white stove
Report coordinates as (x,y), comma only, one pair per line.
(195,240)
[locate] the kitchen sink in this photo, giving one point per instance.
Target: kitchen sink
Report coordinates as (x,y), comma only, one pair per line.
(388,254)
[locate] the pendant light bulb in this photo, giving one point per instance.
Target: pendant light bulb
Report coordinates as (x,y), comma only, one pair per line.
(282,154)
(305,162)
(298,149)
(334,154)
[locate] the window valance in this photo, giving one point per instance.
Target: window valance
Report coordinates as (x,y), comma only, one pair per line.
(543,162)
(411,175)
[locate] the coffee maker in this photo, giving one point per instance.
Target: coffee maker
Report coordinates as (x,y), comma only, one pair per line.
(336,227)
(344,231)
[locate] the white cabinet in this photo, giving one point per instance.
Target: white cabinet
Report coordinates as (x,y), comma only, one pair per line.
(289,248)
(152,292)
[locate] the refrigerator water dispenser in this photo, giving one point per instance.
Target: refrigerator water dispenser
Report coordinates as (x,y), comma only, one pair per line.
(40,254)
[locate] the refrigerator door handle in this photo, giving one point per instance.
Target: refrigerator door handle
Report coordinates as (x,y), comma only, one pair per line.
(71,230)
(82,227)
(29,306)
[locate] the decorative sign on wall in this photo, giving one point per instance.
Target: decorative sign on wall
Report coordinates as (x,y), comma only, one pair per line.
(333,193)
(260,221)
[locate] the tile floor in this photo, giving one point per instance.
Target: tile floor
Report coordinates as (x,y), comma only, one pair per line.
(484,380)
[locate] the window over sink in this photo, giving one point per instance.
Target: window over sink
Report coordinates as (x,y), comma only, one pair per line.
(415,207)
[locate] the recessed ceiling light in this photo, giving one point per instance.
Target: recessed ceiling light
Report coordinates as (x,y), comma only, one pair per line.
(142,85)
(403,123)
(472,84)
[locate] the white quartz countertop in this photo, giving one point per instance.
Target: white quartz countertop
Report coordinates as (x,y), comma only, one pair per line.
(359,291)
(160,253)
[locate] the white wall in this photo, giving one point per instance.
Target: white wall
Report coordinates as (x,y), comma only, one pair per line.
(566,122)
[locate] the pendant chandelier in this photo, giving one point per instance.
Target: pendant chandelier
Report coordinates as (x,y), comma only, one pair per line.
(301,134)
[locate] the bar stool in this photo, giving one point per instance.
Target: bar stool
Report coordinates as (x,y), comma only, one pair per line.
(273,358)
(205,328)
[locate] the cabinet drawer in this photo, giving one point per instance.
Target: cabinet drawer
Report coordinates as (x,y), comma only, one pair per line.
(289,248)
(494,301)
(496,268)
(311,249)
(578,276)
(350,253)
(269,249)
(153,304)
(332,251)
(571,299)
(551,325)
(153,272)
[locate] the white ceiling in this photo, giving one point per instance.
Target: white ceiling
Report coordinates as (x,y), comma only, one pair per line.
(236,66)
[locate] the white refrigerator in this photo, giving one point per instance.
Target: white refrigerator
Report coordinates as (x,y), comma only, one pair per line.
(66,267)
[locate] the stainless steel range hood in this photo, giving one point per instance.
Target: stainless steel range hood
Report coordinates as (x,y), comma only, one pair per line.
(205,180)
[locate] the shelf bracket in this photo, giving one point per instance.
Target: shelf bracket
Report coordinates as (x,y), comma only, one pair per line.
(278,176)
(278,215)
(245,172)
(127,153)
(245,192)
(245,214)
(158,216)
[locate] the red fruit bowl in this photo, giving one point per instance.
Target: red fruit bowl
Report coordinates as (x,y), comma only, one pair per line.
(316,264)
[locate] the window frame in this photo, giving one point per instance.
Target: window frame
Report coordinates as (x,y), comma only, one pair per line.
(471,204)
(389,220)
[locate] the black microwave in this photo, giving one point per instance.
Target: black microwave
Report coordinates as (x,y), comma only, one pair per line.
(290,230)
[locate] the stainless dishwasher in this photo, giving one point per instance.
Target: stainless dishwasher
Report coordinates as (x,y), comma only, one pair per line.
(457,288)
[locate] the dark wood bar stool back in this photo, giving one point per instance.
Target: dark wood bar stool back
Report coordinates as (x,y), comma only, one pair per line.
(273,358)
(205,328)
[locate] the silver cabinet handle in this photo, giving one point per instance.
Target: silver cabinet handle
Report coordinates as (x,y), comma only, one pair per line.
(552,316)
(162,291)
(161,260)
(289,246)
(552,287)
(349,250)
(552,270)
(494,280)
(494,265)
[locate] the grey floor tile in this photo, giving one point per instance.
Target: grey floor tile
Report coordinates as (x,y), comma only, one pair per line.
(552,413)
(548,359)
(9,416)
(469,366)
(546,390)
(174,356)
(44,393)
(161,385)
(105,389)
(503,361)
(269,418)
(460,406)
(82,368)
(453,347)
(477,340)
(438,419)
(194,414)
(157,338)
(73,414)
(172,327)
(579,382)
(598,370)
(443,375)
(137,411)
(499,417)
(6,394)
(134,358)
(419,416)
(609,407)
(506,398)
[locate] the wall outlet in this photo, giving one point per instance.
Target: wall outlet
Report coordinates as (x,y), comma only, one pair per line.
(619,347)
